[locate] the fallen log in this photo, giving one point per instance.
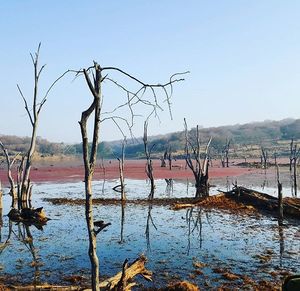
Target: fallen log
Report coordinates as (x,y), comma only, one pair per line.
(263,201)
(121,281)
(244,200)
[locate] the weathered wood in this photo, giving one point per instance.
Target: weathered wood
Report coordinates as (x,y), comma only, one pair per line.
(121,281)
(263,201)
(89,159)
(136,268)
(9,163)
(149,167)
(250,199)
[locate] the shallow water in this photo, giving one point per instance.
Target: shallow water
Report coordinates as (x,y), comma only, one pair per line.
(172,241)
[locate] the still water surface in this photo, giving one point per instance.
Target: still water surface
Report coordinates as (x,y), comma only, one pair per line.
(172,240)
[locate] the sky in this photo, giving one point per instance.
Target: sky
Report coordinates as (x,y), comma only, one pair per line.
(243,57)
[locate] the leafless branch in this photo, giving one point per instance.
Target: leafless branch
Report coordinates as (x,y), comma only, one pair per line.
(26,105)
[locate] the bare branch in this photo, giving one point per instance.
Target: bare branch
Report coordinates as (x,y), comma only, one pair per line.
(49,89)
(26,105)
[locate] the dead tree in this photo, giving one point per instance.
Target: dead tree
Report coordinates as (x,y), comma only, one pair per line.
(10,162)
(294,157)
(169,157)
(194,162)
(280,202)
(291,153)
(89,159)
(163,159)
(162,162)
(149,167)
(89,155)
(224,156)
(33,112)
(121,187)
(264,158)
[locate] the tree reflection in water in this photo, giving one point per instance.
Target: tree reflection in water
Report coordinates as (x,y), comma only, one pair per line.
(147,232)
(122,222)
(281,241)
(22,233)
(194,223)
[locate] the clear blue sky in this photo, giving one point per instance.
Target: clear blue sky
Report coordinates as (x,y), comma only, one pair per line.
(244,58)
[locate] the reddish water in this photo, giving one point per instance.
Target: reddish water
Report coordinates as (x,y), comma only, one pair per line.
(134,169)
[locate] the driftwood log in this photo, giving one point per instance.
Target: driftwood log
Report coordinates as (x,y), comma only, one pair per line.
(250,199)
(123,280)
(263,201)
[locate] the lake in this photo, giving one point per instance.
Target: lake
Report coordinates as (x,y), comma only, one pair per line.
(196,244)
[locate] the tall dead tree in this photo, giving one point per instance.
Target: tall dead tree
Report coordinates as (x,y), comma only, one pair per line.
(224,156)
(33,112)
(198,166)
(149,166)
(90,154)
(89,159)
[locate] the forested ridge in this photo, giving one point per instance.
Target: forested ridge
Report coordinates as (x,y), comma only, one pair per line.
(249,137)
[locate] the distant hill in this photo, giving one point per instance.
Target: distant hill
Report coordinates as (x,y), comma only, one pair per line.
(274,135)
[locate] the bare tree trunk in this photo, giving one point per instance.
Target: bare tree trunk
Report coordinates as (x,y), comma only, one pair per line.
(26,174)
(149,167)
(162,162)
(264,158)
(225,152)
(295,176)
(9,164)
(121,171)
(24,186)
(291,154)
(280,204)
(170,158)
(294,156)
(89,160)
